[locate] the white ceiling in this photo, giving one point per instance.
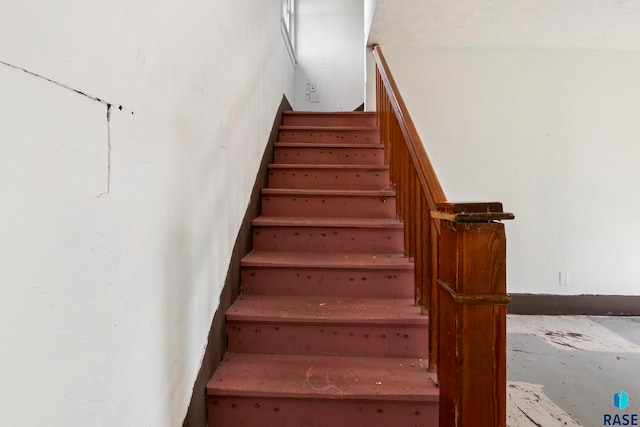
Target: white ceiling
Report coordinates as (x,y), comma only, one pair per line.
(561,24)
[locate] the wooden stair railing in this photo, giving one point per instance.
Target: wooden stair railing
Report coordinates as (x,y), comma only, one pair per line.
(459,251)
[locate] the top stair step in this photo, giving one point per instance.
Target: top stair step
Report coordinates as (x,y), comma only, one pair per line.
(308,118)
(327,134)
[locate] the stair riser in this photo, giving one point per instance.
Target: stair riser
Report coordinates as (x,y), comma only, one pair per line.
(328,239)
(235,411)
(329,179)
(328,282)
(335,339)
(330,135)
(329,206)
(329,156)
(329,120)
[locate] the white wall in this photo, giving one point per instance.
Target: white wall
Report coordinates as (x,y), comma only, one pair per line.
(369,71)
(554,135)
(370,80)
(369,12)
(329,42)
(106,299)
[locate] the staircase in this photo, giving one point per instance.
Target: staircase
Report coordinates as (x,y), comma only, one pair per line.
(325,331)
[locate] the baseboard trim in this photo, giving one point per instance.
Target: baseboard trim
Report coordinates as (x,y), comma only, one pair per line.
(593,305)
(217,342)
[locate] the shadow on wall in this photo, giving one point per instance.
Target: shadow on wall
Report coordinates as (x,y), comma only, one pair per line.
(191,289)
(188,270)
(177,275)
(193,263)
(217,339)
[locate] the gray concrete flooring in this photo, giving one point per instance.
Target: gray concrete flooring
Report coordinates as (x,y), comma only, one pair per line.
(564,370)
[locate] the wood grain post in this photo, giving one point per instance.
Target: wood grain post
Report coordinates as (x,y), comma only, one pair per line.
(472,303)
(434,246)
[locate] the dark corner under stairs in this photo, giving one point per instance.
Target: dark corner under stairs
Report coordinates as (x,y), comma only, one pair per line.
(325,331)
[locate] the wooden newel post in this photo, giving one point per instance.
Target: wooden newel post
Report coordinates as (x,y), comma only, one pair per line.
(472,311)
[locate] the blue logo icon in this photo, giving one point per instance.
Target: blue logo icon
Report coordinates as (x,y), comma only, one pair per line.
(621,400)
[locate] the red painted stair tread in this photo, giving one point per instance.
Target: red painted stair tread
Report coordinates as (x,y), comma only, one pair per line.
(326,260)
(332,153)
(338,134)
(328,192)
(331,377)
(313,128)
(370,168)
(329,203)
(334,119)
(307,145)
(288,309)
(281,221)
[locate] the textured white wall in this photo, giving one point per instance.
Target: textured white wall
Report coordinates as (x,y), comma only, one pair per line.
(329,42)
(553,134)
(369,71)
(106,299)
(535,24)
(369,12)
(370,80)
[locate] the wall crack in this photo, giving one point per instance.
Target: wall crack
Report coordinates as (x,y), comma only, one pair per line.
(62,85)
(108,190)
(91,97)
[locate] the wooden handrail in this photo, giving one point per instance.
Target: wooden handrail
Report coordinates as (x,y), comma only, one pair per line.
(426,173)
(460,273)
(402,143)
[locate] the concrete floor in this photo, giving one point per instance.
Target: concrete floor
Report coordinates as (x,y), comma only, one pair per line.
(564,370)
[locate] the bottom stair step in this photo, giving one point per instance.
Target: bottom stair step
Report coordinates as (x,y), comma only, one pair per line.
(299,391)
